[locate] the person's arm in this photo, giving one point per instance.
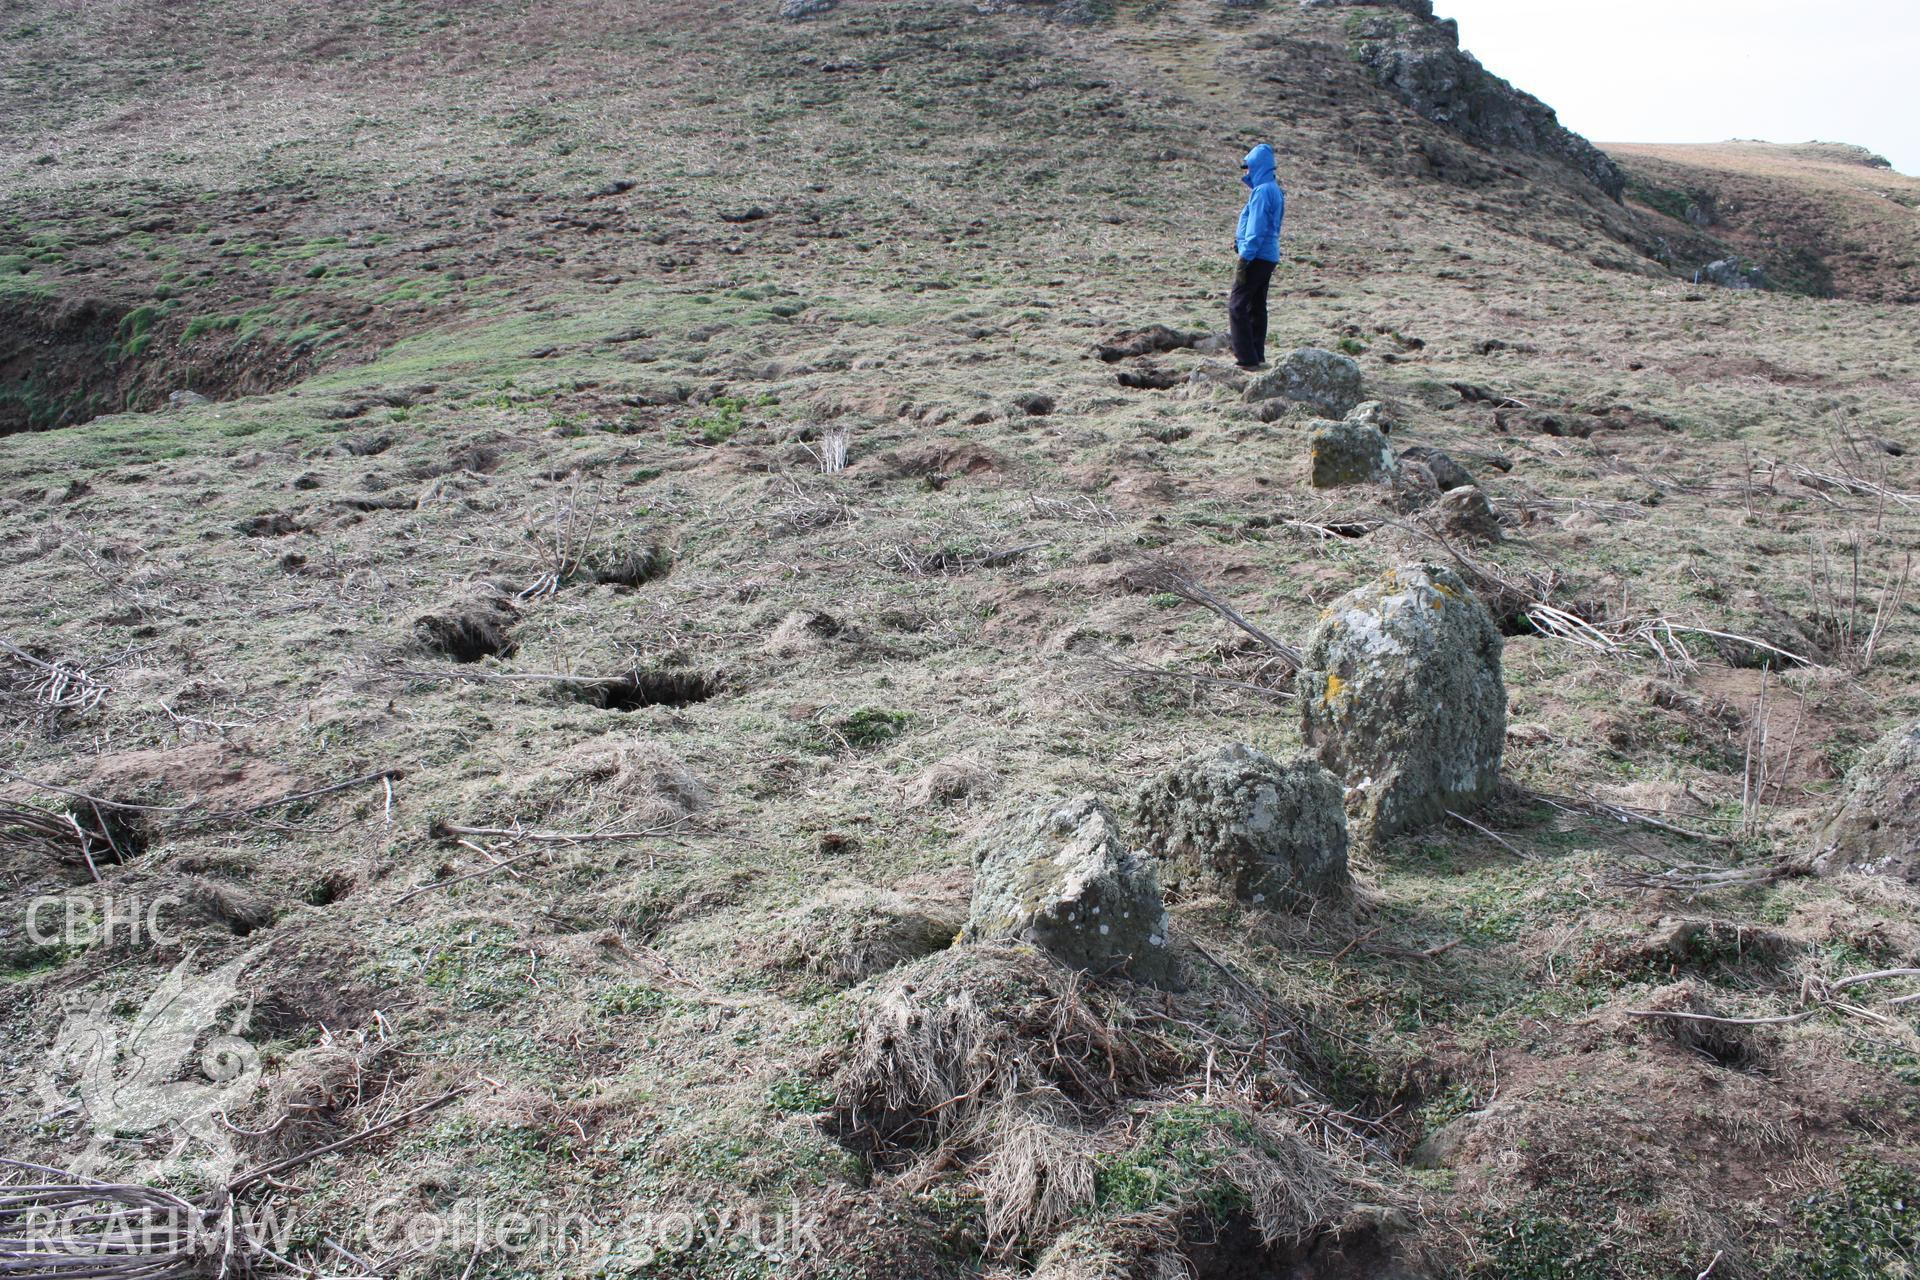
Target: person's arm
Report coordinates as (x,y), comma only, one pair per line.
(1267,212)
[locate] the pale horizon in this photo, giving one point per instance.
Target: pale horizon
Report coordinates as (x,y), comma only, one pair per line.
(1719,71)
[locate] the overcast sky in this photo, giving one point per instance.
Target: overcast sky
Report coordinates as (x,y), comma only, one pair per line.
(1708,70)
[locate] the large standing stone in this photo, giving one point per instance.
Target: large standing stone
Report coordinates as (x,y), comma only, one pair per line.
(1235,821)
(1060,878)
(1875,829)
(1403,698)
(1347,453)
(1322,379)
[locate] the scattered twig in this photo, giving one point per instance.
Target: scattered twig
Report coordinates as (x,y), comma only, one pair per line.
(57,686)
(303,1157)
(1593,808)
(1143,672)
(1165,576)
(1683,1016)
(1079,507)
(1494,836)
(555,837)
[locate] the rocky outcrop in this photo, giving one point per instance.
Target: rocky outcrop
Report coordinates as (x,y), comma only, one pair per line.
(1320,379)
(1402,697)
(1419,8)
(1059,877)
(1238,823)
(1418,59)
(1347,453)
(1875,829)
(1734,273)
(804,8)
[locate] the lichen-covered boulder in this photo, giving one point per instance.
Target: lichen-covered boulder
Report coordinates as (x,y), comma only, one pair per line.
(1875,829)
(1345,453)
(1402,697)
(1059,877)
(1467,513)
(1326,381)
(1237,822)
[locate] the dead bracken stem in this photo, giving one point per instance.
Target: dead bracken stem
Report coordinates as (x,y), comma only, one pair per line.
(1165,576)
(1817,994)
(833,448)
(561,543)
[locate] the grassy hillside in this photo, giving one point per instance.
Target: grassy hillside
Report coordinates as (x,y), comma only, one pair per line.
(1820,217)
(525,327)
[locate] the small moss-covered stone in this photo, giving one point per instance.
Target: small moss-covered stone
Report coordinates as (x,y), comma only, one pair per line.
(1346,453)
(1466,512)
(1402,697)
(1060,878)
(1239,823)
(1447,473)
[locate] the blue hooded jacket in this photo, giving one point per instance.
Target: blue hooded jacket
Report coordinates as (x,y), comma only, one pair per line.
(1259,236)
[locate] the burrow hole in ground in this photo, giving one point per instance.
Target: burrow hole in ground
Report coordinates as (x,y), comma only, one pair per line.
(467,637)
(647,687)
(111,835)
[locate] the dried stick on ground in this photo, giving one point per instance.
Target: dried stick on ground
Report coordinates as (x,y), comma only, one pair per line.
(57,686)
(193,814)
(303,1157)
(1697,878)
(1136,671)
(1592,808)
(1818,994)
(78,1228)
(23,826)
(1165,576)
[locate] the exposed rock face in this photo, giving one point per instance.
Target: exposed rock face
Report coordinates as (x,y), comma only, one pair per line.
(1347,453)
(1465,512)
(1060,878)
(1323,379)
(804,8)
(1419,60)
(1876,828)
(1420,8)
(1403,698)
(1237,822)
(1732,273)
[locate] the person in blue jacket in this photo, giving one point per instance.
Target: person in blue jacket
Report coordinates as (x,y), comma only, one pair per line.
(1258,244)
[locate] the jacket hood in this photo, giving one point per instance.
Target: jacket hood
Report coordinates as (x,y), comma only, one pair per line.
(1259,166)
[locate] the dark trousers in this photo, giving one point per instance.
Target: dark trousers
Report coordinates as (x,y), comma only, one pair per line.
(1247,311)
